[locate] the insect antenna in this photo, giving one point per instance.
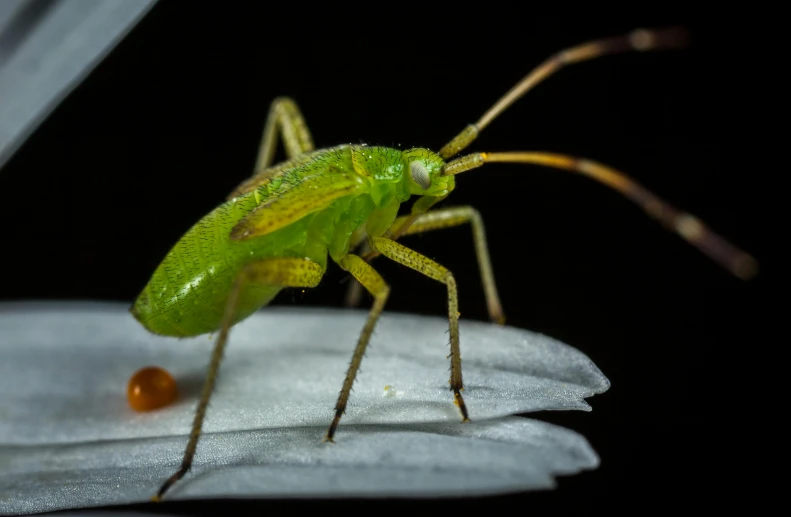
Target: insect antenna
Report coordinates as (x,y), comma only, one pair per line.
(694,231)
(637,40)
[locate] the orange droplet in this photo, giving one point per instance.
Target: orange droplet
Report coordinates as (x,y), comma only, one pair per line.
(151,388)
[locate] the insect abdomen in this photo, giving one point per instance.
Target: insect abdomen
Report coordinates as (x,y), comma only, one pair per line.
(187,293)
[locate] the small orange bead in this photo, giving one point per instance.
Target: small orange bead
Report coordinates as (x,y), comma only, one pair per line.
(151,388)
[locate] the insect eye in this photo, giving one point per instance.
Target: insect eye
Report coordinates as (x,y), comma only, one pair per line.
(420,174)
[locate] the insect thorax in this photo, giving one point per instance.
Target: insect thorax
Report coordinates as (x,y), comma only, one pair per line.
(415,171)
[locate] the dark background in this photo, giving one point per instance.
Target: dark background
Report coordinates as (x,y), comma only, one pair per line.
(166,126)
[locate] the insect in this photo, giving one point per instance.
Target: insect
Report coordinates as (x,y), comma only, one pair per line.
(278,228)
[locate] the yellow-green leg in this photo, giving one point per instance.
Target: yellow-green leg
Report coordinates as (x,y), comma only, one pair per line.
(447,218)
(375,284)
(282,272)
(285,117)
(410,258)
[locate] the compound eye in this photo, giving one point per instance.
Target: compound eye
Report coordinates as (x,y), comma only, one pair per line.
(420,174)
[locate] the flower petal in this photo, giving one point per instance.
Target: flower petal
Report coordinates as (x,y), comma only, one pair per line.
(69,439)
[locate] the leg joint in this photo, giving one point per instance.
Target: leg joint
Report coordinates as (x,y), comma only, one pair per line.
(475,215)
(279,101)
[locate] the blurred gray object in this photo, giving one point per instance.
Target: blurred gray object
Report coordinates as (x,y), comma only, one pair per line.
(46,48)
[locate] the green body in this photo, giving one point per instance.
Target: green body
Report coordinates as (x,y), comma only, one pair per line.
(186,296)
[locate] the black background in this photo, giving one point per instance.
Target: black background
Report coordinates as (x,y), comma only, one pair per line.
(166,126)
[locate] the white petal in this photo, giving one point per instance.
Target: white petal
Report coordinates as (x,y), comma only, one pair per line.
(68,438)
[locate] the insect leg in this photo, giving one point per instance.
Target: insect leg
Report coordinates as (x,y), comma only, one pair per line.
(421,206)
(410,258)
(284,115)
(283,272)
(354,292)
(371,280)
(447,218)
(455,216)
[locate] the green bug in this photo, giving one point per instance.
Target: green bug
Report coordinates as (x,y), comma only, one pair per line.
(278,228)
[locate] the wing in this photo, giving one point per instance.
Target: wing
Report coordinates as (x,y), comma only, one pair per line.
(277,170)
(310,195)
(272,172)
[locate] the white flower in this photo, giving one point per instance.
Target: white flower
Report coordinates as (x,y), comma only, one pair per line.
(69,439)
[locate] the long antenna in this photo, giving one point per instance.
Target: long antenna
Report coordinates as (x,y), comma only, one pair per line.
(637,40)
(692,229)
